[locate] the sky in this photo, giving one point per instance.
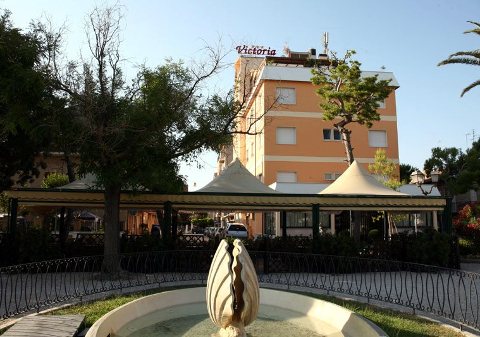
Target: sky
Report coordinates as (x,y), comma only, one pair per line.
(408,38)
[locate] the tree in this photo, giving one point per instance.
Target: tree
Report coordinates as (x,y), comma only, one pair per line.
(24,102)
(449,161)
(348,96)
(466,57)
(469,176)
(405,172)
(133,136)
(385,170)
(55,180)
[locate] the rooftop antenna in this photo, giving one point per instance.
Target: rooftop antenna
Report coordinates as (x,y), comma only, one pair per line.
(325,43)
(472,138)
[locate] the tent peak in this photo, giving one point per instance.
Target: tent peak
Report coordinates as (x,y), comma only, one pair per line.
(356,181)
(235,178)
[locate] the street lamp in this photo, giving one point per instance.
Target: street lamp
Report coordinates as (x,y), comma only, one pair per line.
(418,178)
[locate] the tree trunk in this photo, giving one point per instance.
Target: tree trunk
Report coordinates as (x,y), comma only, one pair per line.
(347,142)
(70,166)
(112,230)
(66,222)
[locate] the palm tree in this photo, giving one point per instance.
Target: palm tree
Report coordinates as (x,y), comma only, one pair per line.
(466,57)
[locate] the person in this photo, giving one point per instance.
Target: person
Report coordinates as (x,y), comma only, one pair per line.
(155,232)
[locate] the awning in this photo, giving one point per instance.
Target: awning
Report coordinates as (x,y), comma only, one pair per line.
(228,201)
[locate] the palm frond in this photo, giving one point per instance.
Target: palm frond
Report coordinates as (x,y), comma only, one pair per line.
(474,84)
(475,30)
(466,57)
(460,60)
(473,53)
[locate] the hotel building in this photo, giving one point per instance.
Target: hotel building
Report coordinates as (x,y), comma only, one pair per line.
(289,143)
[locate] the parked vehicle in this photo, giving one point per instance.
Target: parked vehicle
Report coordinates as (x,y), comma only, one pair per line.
(236,230)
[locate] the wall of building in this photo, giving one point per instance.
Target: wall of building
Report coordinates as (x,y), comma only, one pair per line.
(311,158)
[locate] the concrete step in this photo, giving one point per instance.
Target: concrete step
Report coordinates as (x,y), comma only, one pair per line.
(46,326)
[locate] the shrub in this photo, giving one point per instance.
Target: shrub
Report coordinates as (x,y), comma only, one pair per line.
(467,222)
(55,179)
(203,222)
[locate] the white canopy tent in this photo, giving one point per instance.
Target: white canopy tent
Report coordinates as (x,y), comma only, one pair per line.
(236,179)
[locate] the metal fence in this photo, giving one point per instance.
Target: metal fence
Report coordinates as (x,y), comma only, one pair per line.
(447,293)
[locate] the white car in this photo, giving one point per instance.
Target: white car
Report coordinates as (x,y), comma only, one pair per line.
(236,230)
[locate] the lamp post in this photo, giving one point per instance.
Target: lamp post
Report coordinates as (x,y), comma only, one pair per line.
(418,178)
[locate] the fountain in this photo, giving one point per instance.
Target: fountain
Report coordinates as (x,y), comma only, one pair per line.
(234,300)
(232,290)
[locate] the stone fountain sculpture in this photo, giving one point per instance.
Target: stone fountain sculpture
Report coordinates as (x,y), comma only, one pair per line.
(233,294)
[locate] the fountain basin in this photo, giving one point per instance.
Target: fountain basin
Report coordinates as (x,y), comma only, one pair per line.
(321,317)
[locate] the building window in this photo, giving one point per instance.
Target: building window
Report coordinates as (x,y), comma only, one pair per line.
(331,176)
(269,222)
(377,138)
(331,134)
(286,96)
(381,104)
(286,177)
(286,136)
(299,219)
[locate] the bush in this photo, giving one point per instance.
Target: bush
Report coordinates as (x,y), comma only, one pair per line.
(36,244)
(467,222)
(467,247)
(55,179)
(203,222)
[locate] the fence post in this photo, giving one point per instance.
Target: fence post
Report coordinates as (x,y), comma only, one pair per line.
(315,226)
(12,229)
(167,223)
(283,223)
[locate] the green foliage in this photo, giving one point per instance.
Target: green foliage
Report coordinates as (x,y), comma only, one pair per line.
(55,179)
(460,171)
(398,324)
(94,310)
(347,95)
(466,57)
(467,222)
(24,102)
(36,244)
(143,243)
(343,245)
(449,161)
(3,202)
(405,171)
(134,136)
(469,175)
(385,170)
(468,247)
(392,322)
(203,222)
(430,247)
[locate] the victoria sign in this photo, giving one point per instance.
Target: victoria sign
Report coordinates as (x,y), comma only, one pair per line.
(255,50)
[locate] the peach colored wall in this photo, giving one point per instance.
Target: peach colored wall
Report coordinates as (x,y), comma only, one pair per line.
(54,163)
(310,140)
(305,116)
(308,100)
(309,136)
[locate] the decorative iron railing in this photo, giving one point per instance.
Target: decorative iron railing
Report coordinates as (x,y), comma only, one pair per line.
(448,293)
